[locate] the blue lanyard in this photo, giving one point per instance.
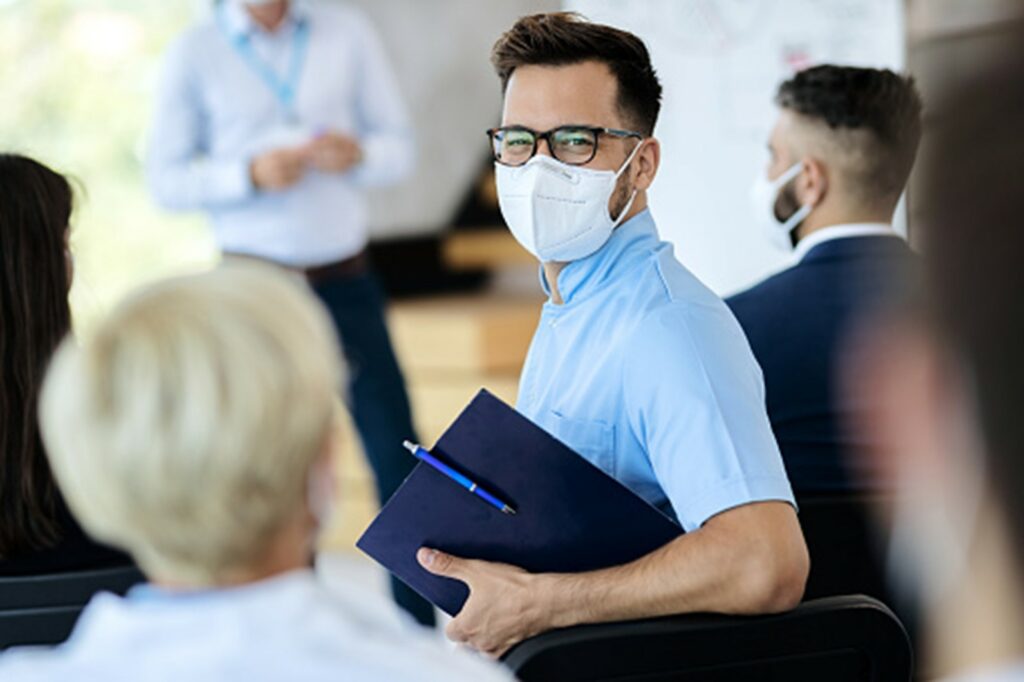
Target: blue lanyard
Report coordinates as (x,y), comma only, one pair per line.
(283,89)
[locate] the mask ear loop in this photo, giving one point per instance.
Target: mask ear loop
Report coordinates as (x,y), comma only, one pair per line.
(798,217)
(629,159)
(632,197)
(801,213)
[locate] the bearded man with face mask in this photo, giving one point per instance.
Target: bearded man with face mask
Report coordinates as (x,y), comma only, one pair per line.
(841,151)
(635,365)
(273,117)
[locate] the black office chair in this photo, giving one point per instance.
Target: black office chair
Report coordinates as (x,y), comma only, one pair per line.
(847,552)
(42,609)
(839,639)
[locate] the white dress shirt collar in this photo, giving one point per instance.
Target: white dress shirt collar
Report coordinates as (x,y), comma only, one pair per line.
(1009,672)
(827,234)
(290,627)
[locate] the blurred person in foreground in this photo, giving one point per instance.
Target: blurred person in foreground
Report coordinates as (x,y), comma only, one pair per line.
(195,429)
(38,534)
(948,384)
(273,117)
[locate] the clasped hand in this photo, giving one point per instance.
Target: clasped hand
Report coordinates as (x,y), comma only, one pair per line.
(506,604)
(281,168)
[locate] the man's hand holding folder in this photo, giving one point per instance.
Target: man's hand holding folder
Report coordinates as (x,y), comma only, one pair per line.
(501,573)
(581,547)
(525,600)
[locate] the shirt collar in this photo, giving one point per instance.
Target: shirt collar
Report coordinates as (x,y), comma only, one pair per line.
(827,234)
(629,242)
(1007,672)
(149,593)
(239,23)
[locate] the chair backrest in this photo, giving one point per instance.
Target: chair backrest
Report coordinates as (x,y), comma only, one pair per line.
(847,551)
(848,638)
(42,609)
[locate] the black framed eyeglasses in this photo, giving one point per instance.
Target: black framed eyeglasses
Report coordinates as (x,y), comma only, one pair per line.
(571,144)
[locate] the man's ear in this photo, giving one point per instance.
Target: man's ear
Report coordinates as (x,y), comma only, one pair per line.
(322,482)
(812,185)
(646,163)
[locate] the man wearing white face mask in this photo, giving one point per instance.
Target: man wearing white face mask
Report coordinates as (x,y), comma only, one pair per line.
(841,151)
(635,364)
(273,117)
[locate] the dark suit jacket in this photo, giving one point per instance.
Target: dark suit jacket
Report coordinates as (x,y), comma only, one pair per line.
(797,322)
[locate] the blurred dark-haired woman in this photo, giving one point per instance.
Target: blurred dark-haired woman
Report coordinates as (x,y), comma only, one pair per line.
(37,532)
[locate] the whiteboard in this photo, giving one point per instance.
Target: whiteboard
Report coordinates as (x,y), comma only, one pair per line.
(720,62)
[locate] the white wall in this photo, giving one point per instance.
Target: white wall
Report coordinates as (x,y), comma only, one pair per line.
(720,62)
(441,52)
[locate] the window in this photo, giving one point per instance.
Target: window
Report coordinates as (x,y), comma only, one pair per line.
(78,78)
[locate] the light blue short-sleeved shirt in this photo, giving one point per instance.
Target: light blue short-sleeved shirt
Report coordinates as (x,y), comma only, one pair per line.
(646,373)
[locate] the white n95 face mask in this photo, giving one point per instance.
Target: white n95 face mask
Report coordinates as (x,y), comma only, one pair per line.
(763,195)
(558,212)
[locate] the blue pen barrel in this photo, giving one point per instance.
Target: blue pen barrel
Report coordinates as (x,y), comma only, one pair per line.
(463,480)
(447,470)
(489,497)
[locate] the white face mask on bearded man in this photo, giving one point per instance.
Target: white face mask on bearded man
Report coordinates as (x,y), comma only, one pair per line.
(764,196)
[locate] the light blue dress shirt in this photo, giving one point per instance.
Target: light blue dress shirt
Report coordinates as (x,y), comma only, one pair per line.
(646,373)
(288,627)
(215,111)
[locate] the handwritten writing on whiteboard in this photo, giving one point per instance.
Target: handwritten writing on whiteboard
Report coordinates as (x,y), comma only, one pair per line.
(721,62)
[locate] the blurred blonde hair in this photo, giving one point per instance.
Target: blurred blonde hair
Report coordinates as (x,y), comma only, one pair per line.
(185,427)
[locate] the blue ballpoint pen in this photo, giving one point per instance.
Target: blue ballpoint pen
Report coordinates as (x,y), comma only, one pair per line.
(424,456)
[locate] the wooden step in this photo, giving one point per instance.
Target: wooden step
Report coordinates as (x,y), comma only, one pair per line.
(464,334)
(484,248)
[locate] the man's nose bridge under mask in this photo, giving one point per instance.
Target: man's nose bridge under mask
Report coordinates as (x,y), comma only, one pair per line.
(546,146)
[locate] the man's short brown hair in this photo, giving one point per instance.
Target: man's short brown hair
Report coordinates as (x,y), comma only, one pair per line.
(564,38)
(875,115)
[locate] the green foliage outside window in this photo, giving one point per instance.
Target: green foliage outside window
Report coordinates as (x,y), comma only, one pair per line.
(77,79)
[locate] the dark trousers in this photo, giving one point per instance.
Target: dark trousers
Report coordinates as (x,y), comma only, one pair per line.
(376,398)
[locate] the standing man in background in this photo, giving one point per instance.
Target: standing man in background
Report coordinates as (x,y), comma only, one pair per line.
(273,116)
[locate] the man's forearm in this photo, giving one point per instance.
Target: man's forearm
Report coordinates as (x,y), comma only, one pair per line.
(386,158)
(748,560)
(201,184)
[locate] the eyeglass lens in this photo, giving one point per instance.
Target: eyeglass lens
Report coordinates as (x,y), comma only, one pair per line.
(570,145)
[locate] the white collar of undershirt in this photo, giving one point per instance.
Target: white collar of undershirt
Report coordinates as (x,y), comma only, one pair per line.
(1008,672)
(827,234)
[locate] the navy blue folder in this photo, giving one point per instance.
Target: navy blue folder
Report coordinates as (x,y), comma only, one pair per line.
(570,515)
